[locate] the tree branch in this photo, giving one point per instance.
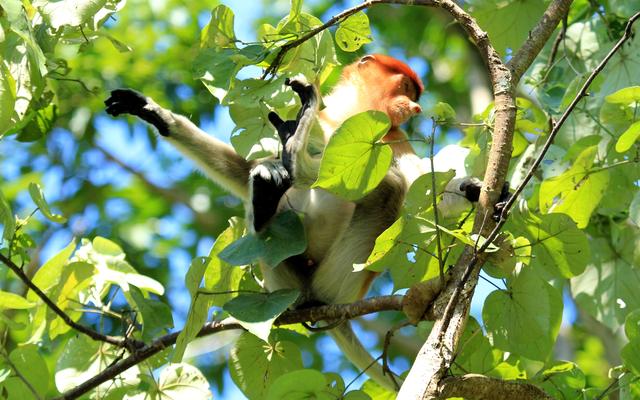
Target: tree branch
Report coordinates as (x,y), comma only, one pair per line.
(480,387)
(328,312)
(436,354)
(538,37)
(95,335)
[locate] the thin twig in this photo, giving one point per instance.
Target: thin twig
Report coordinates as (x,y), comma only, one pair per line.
(434,201)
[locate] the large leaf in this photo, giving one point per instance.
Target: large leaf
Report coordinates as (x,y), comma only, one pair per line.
(628,138)
(220,276)
(219,31)
(355,161)
(283,238)
(83,358)
(254,365)
(353,32)
(562,380)
(608,289)
(197,315)
(525,319)
(10,300)
(257,311)
(32,368)
(577,191)
(181,381)
(557,244)
(508,23)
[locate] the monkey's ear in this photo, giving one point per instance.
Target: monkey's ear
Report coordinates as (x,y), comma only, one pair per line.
(366,59)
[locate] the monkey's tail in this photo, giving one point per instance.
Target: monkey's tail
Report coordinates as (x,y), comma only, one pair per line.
(353,349)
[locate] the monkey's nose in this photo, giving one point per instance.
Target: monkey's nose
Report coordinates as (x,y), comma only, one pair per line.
(416,109)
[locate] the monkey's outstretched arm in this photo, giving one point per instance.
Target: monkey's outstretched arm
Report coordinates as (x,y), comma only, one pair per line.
(214,157)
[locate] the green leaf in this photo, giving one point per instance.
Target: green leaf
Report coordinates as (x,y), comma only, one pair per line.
(576,192)
(219,275)
(75,278)
(443,112)
(521,14)
(41,123)
(13,301)
(628,137)
(74,12)
(355,161)
(83,358)
(632,325)
(288,386)
(219,33)
(634,209)
(181,381)
(354,32)
(195,274)
(7,218)
(476,353)
(377,392)
(625,96)
(32,367)
(7,98)
(526,319)
(198,309)
(631,356)
(558,245)
(607,290)
(257,311)
(155,315)
(562,380)
(284,237)
(419,197)
(38,197)
(109,259)
(254,365)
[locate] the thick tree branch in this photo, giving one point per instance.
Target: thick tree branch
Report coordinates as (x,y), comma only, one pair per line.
(445,334)
(333,311)
(538,37)
(480,387)
(114,340)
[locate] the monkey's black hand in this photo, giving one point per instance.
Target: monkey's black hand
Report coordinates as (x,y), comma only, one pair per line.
(471,189)
(305,91)
(285,129)
(505,196)
(127,101)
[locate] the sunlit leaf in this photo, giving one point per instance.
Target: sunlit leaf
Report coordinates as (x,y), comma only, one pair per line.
(254,365)
(628,138)
(355,161)
(38,197)
(353,32)
(257,311)
(525,319)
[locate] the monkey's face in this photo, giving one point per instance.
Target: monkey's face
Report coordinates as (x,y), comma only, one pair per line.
(401,97)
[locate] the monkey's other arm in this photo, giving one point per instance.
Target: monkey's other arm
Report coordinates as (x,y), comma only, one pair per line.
(214,157)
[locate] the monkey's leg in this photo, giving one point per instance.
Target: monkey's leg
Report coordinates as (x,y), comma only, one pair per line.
(216,158)
(270,179)
(268,182)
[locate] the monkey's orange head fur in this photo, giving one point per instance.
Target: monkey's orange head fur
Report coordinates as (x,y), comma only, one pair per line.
(398,66)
